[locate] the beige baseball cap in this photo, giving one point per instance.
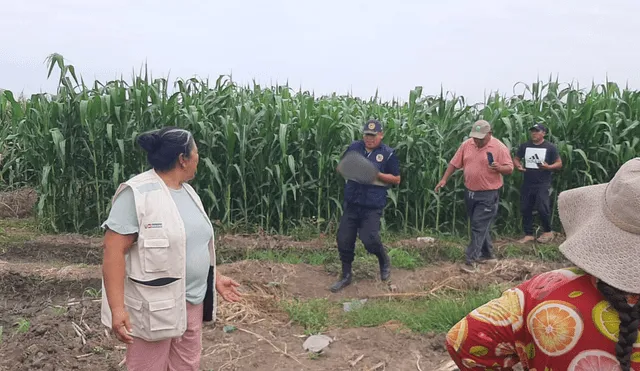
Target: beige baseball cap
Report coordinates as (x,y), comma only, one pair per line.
(480,129)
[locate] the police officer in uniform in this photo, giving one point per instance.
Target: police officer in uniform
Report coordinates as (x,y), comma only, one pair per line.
(364,204)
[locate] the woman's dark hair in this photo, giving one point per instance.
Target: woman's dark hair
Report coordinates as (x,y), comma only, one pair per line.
(164,146)
(629,321)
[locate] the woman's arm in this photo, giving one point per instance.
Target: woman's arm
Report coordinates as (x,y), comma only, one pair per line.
(115,248)
(487,337)
(121,232)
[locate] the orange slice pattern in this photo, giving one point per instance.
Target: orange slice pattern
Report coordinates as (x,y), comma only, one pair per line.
(457,334)
(503,311)
(555,326)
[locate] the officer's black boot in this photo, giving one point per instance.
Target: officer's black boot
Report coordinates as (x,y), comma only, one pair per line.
(345,279)
(385,265)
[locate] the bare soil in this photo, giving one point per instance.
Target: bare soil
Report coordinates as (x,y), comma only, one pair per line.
(80,249)
(70,249)
(308,281)
(265,241)
(56,299)
(50,310)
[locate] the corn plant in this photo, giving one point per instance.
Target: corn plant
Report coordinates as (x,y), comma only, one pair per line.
(269,154)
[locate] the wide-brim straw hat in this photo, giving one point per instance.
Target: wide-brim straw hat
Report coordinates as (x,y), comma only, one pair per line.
(602,226)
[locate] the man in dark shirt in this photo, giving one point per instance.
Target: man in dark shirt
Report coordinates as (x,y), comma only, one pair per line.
(364,204)
(537,159)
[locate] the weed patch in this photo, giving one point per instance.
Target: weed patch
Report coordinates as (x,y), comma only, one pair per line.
(419,315)
(312,315)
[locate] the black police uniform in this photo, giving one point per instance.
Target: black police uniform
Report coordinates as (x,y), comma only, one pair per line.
(362,209)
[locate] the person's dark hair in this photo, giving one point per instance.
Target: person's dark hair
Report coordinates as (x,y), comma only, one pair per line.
(629,321)
(164,146)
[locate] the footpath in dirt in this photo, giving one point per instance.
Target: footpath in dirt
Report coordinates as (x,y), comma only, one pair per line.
(50,305)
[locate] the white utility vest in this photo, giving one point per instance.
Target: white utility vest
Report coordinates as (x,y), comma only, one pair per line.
(157,312)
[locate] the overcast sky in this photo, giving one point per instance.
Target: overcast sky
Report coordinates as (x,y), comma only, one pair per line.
(469,46)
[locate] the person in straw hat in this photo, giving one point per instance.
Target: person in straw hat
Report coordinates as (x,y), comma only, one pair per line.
(580,318)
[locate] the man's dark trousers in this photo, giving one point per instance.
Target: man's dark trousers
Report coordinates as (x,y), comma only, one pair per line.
(482,208)
(535,197)
(361,221)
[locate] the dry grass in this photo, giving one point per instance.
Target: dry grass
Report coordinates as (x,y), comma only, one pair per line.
(18,203)
(259,301)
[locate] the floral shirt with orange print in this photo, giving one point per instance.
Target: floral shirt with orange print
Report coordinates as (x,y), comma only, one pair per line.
(556,321)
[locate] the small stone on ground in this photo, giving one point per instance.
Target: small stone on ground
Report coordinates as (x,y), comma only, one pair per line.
(316,343)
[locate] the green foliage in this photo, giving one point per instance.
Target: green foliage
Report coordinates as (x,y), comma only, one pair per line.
(268,154)
(313,315)
(422,315)
(22,325)
(427,314)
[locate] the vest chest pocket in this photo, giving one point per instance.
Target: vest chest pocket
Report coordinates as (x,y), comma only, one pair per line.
(156,255)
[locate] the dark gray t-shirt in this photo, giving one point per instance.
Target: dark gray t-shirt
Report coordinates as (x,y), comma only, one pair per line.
(533,154)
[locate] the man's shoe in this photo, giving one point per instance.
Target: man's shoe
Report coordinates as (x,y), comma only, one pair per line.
(526,239)
(344,281)
(469,267)
(385,266)
(487,260)
(546,237)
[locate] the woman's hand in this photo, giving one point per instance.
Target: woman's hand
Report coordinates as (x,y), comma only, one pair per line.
(113,271)
(226,287)
(121,325)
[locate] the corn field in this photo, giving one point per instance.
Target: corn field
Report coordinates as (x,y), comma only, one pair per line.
(268,154)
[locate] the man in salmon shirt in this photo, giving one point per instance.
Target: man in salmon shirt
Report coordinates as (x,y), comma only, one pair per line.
(482,181)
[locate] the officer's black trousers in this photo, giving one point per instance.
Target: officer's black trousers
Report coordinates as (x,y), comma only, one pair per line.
(364,222)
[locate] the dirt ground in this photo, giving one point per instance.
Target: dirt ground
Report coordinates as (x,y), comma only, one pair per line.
(56,291)
(65,332)
(50,309)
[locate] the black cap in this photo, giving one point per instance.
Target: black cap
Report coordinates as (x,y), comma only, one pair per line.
(372,127)
(538,127)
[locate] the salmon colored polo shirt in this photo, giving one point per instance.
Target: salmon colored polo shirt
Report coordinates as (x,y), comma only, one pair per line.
(473,161)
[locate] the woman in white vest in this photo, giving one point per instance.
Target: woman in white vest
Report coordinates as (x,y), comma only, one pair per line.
(159,266)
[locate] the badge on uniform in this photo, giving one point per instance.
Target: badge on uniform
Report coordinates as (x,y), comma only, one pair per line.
(379,157)
(372,126)
(153,225)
